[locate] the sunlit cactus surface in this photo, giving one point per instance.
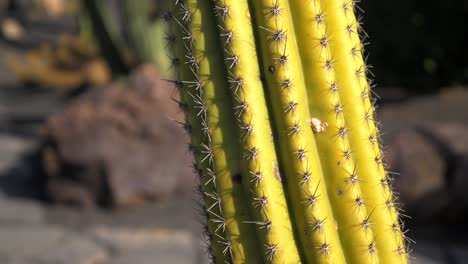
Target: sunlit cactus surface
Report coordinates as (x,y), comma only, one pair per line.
(277,101)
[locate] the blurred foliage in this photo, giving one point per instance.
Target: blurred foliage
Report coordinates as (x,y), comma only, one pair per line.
(114,36)
(71,63)
(417,45)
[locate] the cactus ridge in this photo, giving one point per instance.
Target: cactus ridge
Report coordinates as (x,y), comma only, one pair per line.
(277,102)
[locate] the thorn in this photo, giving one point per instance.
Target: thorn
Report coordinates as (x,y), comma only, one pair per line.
(257,177)
(252,153)
(342,132)
(318,225)
(359,201)
(261,202)
(324,249)
(301,154)
(290,107)
(371,248)
(248,130)
(270,252)
(295,129)
(222,11)
(274,11)
(287,83)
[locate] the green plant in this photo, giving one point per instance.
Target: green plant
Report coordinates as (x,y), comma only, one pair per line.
(277,104)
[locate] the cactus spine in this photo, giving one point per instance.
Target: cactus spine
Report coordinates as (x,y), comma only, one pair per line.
(282,132)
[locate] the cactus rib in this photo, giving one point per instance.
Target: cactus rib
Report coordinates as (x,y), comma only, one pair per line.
(351,73)
(270,210)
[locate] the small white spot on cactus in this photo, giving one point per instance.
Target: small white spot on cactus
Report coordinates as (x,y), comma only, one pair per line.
(317,125)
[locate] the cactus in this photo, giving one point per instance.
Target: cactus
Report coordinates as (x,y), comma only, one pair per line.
(277,102)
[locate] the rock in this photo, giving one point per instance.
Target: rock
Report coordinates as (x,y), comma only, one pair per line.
(432,161)
(20,211)
(148,245)
(47,244)
(420,166)
(452,141)
(118,147)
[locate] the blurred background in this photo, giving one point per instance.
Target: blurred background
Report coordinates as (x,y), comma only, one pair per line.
(93,168)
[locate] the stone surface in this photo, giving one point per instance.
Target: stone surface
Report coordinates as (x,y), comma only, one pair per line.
(20,211)
(143,245)
(420,166)
(47,244)
(118,147)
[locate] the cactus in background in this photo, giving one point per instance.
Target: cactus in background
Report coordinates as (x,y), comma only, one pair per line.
(277,103)
(146,32)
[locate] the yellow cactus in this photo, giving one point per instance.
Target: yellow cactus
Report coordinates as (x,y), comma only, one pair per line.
(283,132)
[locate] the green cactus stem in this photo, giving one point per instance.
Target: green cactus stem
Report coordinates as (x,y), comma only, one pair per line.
(277,104)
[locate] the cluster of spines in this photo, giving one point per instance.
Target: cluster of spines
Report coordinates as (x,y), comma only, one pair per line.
(305,182)
(342,181)
(364,136)
(269,207)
